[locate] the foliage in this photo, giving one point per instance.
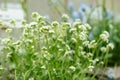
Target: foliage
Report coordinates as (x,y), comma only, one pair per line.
(100,18)
(53,51)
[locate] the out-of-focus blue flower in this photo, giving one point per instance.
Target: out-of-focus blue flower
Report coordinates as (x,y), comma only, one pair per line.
(80,14)
(110,15)
(91,37)
(75,15)
(47,17)
(83,7)
(70,6)
(91,5)
(110,73)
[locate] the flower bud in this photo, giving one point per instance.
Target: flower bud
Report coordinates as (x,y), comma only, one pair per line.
(65,17)
(55,24)
(13,22)
(34,15)
(8,31)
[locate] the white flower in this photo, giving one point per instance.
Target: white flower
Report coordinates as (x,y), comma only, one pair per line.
(1,68)
(34,15)
(32,47)
(66,25)
(47,55)
(40,18)
(12,22)
(43,67)
(31,78)
(101,62)
(82,27)
(6,41)
(87,26)
(67,47)
(33,23)
(60,50)
(92,44)
(44,28)
(95,61)
(83,36)
(89,54)
(81,48)
(72,68)
(54,70)
(9,55)
(83,53)
(91,68)
(8,31)
(72,30)
(24,22)
(103,49)
(73,40)
(85,43)
(110,46)
(69,52)
(77,23)
(51,31)
(44,48)
(65,16)
(55,24)
(104,36)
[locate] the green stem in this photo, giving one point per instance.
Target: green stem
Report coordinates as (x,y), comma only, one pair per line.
(15,75)
(5,4)
(106,58)
(49,74)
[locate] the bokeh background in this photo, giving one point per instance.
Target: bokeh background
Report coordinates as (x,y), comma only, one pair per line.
(44,7)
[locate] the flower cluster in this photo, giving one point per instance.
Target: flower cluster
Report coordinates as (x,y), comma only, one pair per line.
(59,50)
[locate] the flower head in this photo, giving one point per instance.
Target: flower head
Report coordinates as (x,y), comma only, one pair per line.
(92,44)
(65,17)
(83,36)
(103,49)
(110,46)
(34,15)
(8,31)
(55,24)
(72,68)
(91,68)
(104,36)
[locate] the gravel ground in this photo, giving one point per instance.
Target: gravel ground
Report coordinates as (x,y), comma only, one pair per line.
(117,72)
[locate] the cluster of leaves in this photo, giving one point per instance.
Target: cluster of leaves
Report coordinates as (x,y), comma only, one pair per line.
(53,51)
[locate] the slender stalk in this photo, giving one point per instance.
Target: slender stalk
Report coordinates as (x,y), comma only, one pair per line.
(5,4)
(15,75)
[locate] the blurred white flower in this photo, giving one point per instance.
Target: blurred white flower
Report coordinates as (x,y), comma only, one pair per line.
(82,27)
(104,36)
(92,44)
(91,68)
(8,31)
(83,36)
(103,49)
(85,43)
(110,46)
(72,68)
(43,67)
